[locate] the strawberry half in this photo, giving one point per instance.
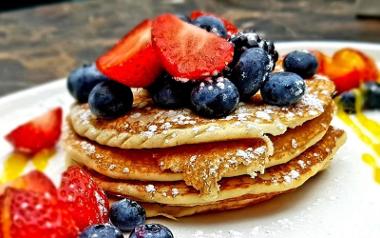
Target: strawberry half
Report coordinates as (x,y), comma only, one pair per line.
(35,181)
(82,197)
(40,133)
(26,214)
(230,27)
(187,51)
(132,61)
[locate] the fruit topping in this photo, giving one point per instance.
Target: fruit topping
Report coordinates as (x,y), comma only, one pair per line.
(82,80)
(283,89)
(183,18)
(110,99)
(246,40)
(302,63)
(250,72)
(133,60)
(186,51)
(230,27)
(215,98)
(347,68)
(371,92)
(168,93)
(41,132)
(101,231)
(35,181)
(347,101)
(26,214)
(211,24)
(151,231)
(126,214)
(82,198)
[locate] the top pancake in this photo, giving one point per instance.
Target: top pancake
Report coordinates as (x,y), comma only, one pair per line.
(147,126)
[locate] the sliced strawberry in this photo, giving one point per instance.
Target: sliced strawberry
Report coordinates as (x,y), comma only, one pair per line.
(35,181)
(132,61)
(84,200)
(26,214)
(40,133)
(187,51)
(231,28)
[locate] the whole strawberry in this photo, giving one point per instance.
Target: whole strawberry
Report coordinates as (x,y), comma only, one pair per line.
(82,198)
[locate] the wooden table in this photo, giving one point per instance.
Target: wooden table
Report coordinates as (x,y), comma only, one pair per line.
(44,43)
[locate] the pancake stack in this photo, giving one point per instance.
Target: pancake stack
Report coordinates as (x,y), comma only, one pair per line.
(176,163)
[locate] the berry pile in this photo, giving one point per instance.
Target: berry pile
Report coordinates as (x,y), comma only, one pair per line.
(200,61)
(31,206)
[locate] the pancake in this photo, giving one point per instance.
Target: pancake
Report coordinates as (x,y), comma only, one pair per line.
(147,126)
(276,179)
(200,165)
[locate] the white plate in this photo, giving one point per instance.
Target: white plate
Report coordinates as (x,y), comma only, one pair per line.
(343,201)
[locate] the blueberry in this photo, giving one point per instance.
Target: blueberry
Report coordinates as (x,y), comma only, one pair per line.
(215,98)
(82,80)
(250,72)
(283,89)
(371,92)
(110,99)
(101,231)
(302,63)
(127,214)
(347,100)
(169,93)
(211,24)
(151,231)
(183,17)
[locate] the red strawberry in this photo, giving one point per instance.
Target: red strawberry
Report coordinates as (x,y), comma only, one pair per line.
(187,51)
(39,133)
(35,181)
(84,200)
(132,61)
(231,28)
(26,214)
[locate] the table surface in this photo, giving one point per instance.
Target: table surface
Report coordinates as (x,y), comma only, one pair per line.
(45,43)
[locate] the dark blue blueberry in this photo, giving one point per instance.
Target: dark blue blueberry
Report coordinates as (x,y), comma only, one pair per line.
(211,24)
(151,231)
(215,98)
(82,80)
(169,93)
(302,63)
(371,92)
(110,99)
(283,89)
(183,17)
(250,71)
(101,231)
(347,101)
(126,214)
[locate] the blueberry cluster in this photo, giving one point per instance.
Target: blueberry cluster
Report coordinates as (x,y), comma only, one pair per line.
(370,94)
(127,216)
(106,98)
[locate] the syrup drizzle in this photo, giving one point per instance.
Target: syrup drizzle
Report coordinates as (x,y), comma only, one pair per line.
(15,164)
(370,135)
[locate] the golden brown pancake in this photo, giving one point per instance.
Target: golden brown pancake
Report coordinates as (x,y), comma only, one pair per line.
(147,126)
(276,179)
(200,165)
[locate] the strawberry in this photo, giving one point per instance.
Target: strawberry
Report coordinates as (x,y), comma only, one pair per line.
(187,51)
(133,60)
(39,133)
(83,198)
(26,214)
(231,28)
(35,181)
